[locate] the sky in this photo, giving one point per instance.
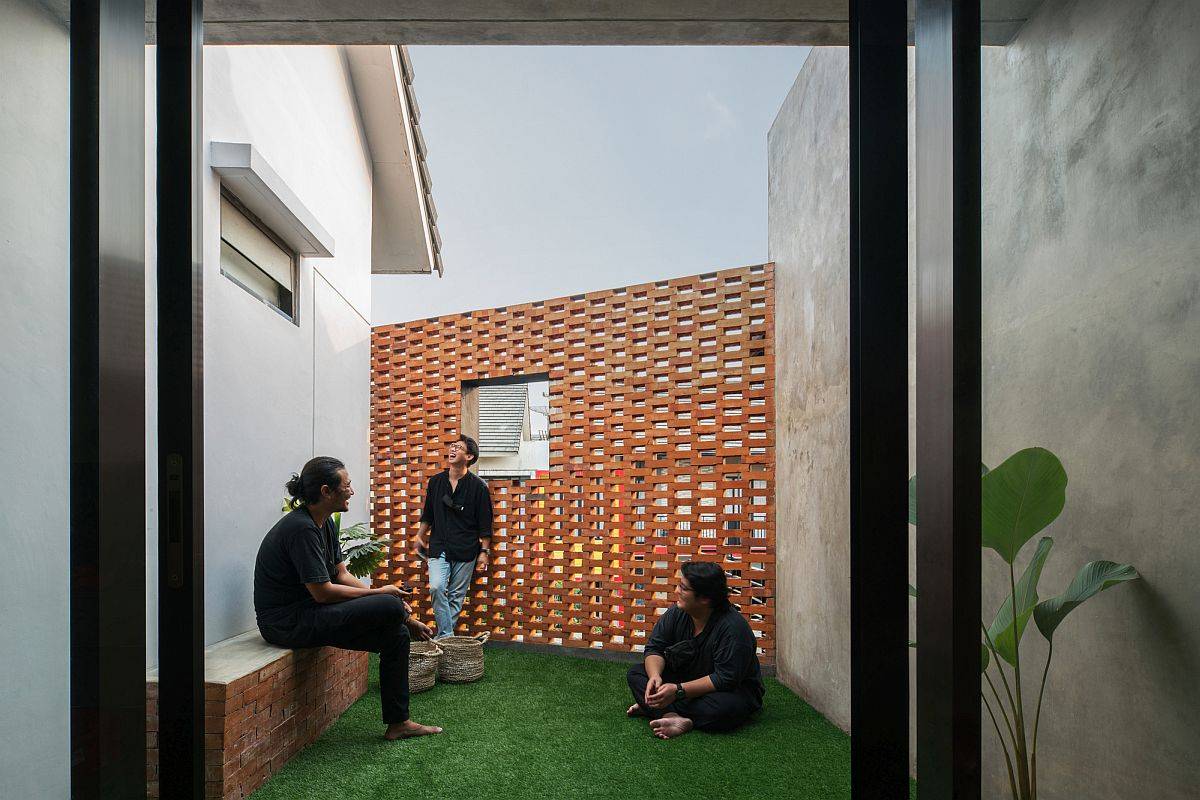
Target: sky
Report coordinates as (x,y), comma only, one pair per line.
(561,170)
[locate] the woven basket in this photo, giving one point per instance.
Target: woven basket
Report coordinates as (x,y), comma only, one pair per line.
(462,658)
(423,658)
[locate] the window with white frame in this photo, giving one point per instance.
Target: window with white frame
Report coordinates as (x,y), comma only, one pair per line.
(256,259)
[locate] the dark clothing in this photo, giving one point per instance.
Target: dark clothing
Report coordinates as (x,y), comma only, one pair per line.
(715,712)
(294,552)
(374,623)
(726,651)
(458,518)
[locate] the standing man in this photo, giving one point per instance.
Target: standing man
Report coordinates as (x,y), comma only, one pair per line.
(458,511)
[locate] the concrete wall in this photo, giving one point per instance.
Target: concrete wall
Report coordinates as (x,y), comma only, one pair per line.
(808,239)
(276,392)
(1091,284)
(34,690)
(1091,348)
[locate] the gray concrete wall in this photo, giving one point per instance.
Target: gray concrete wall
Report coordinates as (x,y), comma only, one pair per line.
(1091,281)
(1091,348)
(34,678)
(808,239)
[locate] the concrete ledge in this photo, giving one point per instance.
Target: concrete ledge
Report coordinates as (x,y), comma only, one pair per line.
(262,705)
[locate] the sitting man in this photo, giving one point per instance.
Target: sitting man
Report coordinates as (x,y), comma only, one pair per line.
(701,669)
(305,597)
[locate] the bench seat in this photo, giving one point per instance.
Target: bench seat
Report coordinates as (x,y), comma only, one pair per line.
(262,705)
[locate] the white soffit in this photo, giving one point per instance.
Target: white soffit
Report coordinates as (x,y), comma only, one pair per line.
(404,238)
(249,178)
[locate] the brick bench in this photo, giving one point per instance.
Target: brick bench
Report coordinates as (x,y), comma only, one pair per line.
(262,705)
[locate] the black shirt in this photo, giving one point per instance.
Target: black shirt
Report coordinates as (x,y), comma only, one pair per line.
(727,650)
(293,553)
(459,518)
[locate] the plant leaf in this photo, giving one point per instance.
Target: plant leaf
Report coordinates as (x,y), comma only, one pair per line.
(912,590)
(912,500)
(912,495)
(1005,631)
(1092,578)
(987,658)
(1020,498)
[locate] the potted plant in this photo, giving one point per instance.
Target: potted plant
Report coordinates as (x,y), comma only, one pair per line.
(1020,499)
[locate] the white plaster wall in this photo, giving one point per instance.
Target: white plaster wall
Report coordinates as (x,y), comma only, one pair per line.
(34,135)
(342,391)
(276,393)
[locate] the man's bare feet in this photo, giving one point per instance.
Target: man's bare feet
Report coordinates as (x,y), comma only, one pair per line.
(634,711)
(670,726)
(409,729)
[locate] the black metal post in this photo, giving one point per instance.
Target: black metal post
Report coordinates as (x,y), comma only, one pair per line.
(948,398)
(107,376)
(878,399)
(180,398)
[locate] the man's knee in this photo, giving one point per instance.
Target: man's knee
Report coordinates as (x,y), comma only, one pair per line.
(393,609)
(637,675)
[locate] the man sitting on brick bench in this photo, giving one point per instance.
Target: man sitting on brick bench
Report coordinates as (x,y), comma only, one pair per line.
(305,597)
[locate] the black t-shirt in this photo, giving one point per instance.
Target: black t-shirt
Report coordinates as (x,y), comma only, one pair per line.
(293,553)
(458,518)
(727,650)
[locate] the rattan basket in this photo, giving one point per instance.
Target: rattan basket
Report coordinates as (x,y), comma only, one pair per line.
(462,658)
(423,660)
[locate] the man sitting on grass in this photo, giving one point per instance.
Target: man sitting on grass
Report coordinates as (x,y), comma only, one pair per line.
(701,670)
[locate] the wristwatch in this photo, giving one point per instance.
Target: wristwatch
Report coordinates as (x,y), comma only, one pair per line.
(680,694)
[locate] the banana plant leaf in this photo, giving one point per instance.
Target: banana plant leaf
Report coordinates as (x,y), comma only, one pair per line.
(1093,578)
(912,495)
(1020,498)
(1007,627)
(985,658)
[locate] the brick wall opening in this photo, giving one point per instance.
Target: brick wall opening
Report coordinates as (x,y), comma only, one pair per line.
(661,444)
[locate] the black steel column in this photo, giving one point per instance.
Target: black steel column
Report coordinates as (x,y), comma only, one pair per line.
(107,376)
(948,398)
(878,399)
(180,402)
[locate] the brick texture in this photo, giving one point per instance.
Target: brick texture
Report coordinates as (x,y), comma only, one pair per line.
(661,451)
(255,724)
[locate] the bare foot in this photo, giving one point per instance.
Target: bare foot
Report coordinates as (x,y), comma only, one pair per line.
(409,729)
(670,726)
(634,711)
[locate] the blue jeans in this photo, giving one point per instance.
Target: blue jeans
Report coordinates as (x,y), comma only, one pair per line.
(449,582)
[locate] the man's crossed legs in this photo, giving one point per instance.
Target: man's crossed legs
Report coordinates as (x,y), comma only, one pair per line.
(714,712)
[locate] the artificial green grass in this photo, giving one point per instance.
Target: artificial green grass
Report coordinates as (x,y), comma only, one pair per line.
(550,727)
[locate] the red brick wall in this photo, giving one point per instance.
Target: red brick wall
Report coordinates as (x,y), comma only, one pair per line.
(661,450)
(255,724)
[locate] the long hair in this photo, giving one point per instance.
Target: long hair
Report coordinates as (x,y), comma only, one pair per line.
(708,580)
(305,488)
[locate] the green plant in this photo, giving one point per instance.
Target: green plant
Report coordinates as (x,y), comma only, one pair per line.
(1020,499)
(363,549)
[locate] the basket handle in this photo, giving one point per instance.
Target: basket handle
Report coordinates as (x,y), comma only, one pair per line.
(482,637)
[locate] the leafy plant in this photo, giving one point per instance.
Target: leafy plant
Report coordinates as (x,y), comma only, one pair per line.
(1020,499)
(364,549)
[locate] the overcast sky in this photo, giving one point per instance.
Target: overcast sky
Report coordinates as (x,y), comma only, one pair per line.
(560,170)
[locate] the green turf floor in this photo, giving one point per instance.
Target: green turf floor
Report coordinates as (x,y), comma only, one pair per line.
(549,726)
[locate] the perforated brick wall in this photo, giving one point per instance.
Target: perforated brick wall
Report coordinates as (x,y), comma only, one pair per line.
(661,450)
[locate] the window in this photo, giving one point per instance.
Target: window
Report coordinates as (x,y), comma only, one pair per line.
(257,260)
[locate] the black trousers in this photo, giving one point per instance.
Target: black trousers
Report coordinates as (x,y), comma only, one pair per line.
(714,712)
(373,624)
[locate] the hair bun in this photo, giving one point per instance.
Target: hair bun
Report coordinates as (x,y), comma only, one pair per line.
(293,487)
